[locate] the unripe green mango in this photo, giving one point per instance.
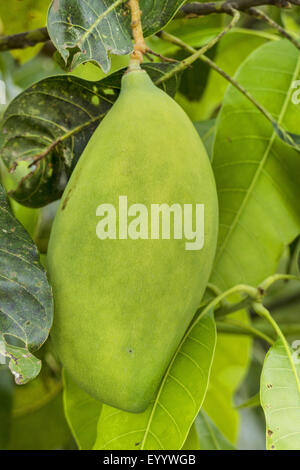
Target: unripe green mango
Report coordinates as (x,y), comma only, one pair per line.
(123,305)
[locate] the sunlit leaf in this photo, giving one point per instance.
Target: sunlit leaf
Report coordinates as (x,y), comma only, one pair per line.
(192,441)
(82,413)
(166,422)
(93,29)
(280,397)
(25,297)
(252,166)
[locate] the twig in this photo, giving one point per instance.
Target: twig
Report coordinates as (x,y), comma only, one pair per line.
(235,327)
(262,16)
(140,47)
(174,40)
(56,142)
(161,57)
(203,9)
(23,40)
(196,54)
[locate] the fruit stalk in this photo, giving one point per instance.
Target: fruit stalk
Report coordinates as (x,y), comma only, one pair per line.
(140,47)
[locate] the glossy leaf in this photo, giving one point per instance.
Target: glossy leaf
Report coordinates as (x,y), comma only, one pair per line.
(91,30)
(250,182)
(55,118)
(280,397)
(252,166)
(166,423)
(82,413)
(25,297)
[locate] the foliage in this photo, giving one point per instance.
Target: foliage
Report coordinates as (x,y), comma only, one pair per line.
(240,355)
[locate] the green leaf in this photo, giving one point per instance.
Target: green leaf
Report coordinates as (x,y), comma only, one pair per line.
(192,441)
(229,57)
(280,397)
(25,297)
(23,16)
(257,217)
(7,74)
(291,20)
(207,130)
(166,423)
(38,421)
(195,78)
(210,437)
(23,365)
(229,368)
(82,413)
(6,391)
(54,119)
(91,30)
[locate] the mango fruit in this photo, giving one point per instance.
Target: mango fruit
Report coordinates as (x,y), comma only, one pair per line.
(122,304)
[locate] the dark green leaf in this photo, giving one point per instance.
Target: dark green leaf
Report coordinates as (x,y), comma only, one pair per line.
(90,30)
(6,391)
(192,441)
(55,118)
(194,79)
(25,297)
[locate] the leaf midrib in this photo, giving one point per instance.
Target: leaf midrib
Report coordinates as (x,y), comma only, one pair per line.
(156,402)
(98,20)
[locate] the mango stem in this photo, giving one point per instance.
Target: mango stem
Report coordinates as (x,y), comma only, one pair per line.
(140,47)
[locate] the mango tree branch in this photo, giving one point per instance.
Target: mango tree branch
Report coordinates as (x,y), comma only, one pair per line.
(203,9)
(31,38)
(23,40)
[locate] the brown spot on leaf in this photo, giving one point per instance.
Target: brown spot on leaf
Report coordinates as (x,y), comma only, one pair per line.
(270,433)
